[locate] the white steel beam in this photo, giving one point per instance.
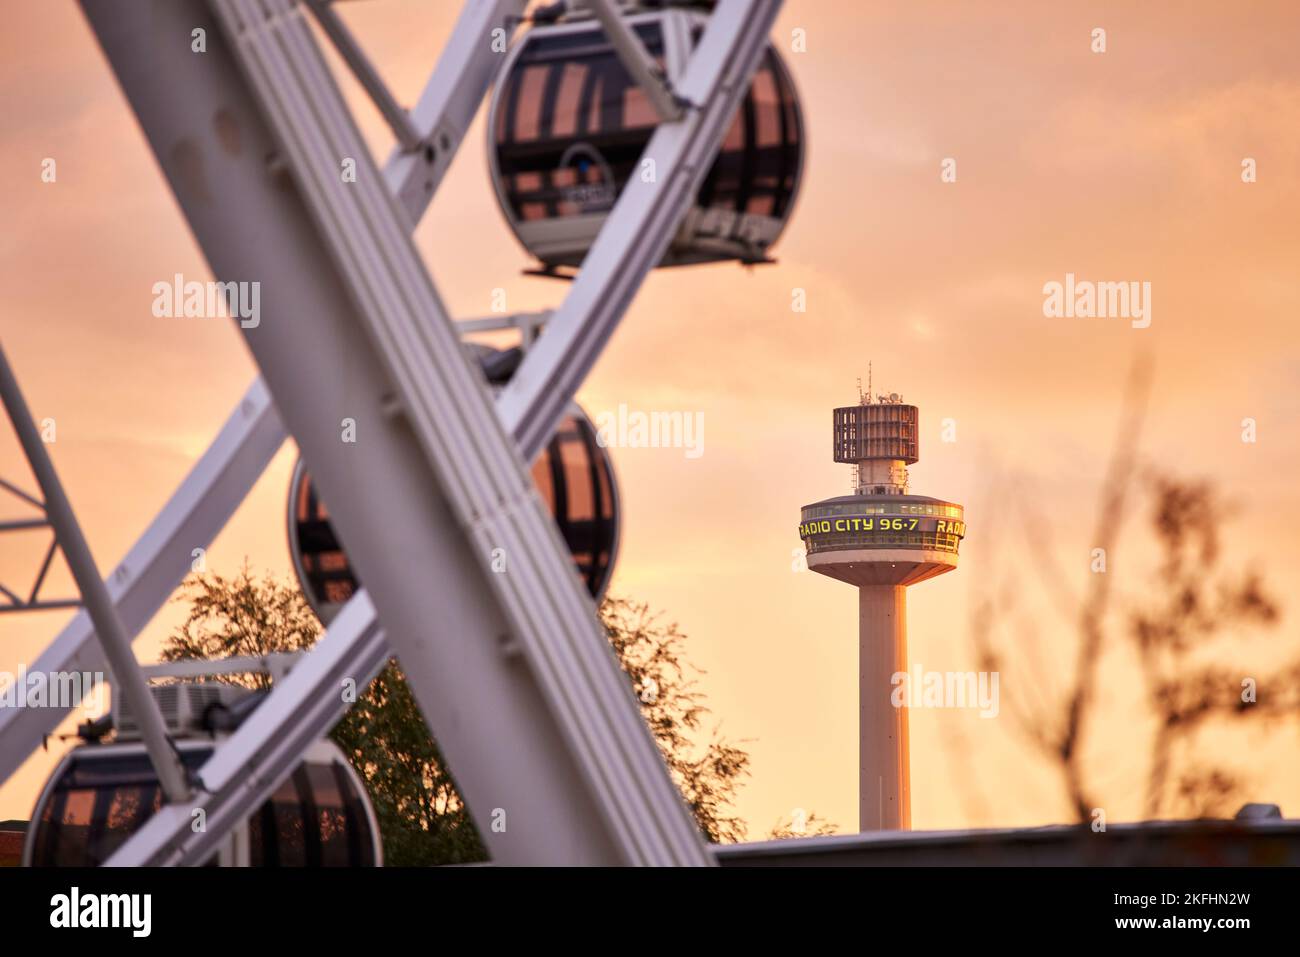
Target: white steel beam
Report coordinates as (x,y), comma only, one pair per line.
(407,179)
(141,582)
(469,60)
(587,707)
(639,228)
(398,120)
(637,59)
(241,451)
(274,664)
(526,322)
(507,745)
(114,639)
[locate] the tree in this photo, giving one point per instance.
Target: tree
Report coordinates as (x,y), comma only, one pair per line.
(241,616)
(421,816)
(800,823)
(1188,613)
(1191,605)
(708,776)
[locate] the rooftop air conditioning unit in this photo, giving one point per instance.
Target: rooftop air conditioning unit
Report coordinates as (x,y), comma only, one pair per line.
(184,707)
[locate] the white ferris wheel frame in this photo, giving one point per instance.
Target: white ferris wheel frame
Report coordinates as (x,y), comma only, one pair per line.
(511,670)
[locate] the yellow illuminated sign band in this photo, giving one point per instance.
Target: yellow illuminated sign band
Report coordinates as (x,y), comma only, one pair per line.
(847,524)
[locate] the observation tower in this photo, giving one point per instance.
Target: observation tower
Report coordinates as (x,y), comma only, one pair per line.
(881,539)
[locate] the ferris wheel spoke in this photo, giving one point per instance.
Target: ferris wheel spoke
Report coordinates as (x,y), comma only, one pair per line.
(142,581)
(641,225)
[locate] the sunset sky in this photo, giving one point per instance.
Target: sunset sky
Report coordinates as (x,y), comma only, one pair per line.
(1117,166)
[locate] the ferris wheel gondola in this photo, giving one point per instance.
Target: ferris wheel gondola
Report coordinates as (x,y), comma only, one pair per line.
(574,475)
(101,794)
(569,125)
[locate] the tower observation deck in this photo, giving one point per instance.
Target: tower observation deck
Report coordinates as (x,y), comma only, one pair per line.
(881,539)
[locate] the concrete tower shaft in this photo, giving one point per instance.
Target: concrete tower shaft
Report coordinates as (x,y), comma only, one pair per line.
(884,762)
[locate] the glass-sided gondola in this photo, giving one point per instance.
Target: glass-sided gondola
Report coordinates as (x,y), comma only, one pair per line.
(102,793)
(568,126)
(573,473)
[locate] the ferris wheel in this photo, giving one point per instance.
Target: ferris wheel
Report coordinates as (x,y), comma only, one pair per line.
(623,136)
